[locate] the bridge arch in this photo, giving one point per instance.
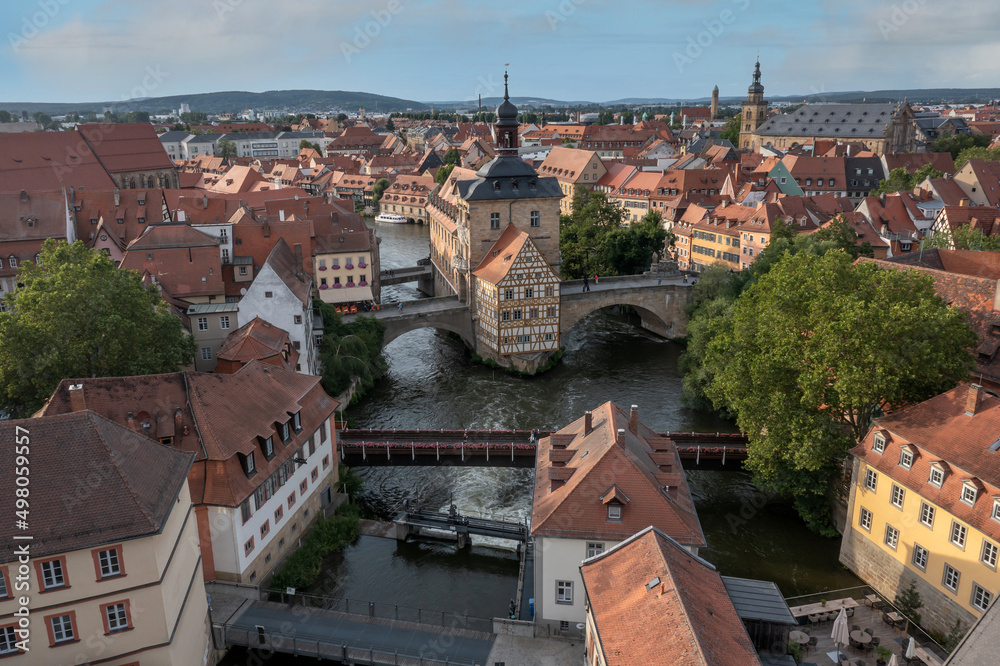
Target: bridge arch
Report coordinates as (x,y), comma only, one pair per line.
(396,328)
(660,308)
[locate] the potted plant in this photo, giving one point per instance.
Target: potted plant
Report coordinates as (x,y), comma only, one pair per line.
(795,650)
(822,602)
(882,654)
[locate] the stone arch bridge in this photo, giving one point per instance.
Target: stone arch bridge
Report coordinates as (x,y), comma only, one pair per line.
(660,305)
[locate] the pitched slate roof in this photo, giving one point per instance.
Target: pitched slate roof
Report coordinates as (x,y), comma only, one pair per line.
(654,602)
(283,262)
(850,121)
(572,506)
(139,481)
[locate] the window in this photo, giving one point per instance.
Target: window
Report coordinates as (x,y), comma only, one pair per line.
(291,500)
(243,270)
(322,432)
(614,512)
(52,574)
(494,220)
(517,315)
(906,459)
(988,556)
(245,510)
(4,588)
(109,562)
(920,557)
(509,294)
(286,432)
(505,315)
(937,475)
(303,486)
(529,292)
(871,479)
(891,536)
(536,218)
(298,318)
(8,640)
(297,421)
(202,323)
(958,534)
(969,493)
(326,461)
(865,519)
(116,617)
(980,597)
(264,529)
(927,514)
(897,496)
(594,549)
(61,628)
(878,444)
(996,510)
(248,546)
(268,294)
(248,464)
(267,445)
(12,261)
(224,322)
(564,591)
(951,577)
(206,353)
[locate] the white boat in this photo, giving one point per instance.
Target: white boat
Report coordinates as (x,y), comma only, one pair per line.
(390,218)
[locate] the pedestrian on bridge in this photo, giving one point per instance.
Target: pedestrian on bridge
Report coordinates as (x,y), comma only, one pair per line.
(659,280)
(597,279)
(586,283)
(400,306)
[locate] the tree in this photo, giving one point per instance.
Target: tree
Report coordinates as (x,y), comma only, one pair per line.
(443,173)
(389,125)
(963,238)
(5,117)
(76,315)
(956,143)
(305,144)
(227,148)
(988,154)
(819,346)
(732,130)
(378,189)
(452,157)
(350,352)
(900,179)
(908,602)
(341,117)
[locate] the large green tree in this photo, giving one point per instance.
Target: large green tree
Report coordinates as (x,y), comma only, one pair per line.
(75,314)
(227,148)
(900,180)
(819,346)
(732,130)
(349,352)
(956,143)
(963,238)
(379,189)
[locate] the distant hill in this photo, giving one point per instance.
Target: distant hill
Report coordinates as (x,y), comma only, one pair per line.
(236,101)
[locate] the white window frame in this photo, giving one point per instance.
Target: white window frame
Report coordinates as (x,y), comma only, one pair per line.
(878,443)
(4,589)
(918,561)
(865,518)
(117,617)
(958,534)
(981,597)
(50,572)
(224,322)
(897,491)
(967,490)
(250,467)
(948,569)
(928,510)
(108,559)
(936,471)
(202,323)
(614,512)
(891,537)
(64,632)
(8,641)
(871,479)
(564,592)
(996,510)
(594,548)
(989,554)
(206,353)
(906,459)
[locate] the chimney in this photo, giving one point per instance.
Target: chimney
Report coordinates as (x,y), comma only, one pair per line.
(633,419)
(972,399)
(131,421)
(177,422)
(76,399)
(588,423)
(964,203)
(204,201)
(621,436)
(267,229)
(118,198)
(297,248)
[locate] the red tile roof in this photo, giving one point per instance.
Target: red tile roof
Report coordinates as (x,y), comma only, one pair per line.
(659,494)
(123,147)
(49,161)
(500,258)
(653,602)
(138,480)
(256,340)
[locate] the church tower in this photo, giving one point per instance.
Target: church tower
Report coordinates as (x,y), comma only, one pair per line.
(505,128)
(754,110)
(715,102)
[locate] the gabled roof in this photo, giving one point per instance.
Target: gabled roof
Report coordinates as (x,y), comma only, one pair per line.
(257,339)
(124,147)
(49,161)
(912,162)
(654,602)
(284,264)
(172,235)
(500,258)
(572,507)
(139,482)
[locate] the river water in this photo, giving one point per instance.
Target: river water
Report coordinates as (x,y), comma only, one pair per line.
(432,383)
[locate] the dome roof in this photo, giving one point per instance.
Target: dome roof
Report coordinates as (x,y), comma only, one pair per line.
(506,112)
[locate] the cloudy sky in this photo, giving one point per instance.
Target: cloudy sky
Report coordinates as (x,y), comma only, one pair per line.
(600,50)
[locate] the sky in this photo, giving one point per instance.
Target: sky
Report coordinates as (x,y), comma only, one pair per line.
(435,50)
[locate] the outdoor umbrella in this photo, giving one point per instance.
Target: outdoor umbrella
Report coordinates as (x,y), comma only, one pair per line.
(893,661)
(840,633)
(911,649)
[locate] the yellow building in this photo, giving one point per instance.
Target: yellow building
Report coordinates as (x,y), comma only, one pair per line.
(925,506)
(113,573)
(572,167)
(517,298)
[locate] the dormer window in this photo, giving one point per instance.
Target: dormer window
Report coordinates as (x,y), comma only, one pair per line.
(906,459)
(937,475)
(267,446)
(286,431)
(996,510)
(878,443)
(248,464)
(614,512)
(969,493)
(297,421)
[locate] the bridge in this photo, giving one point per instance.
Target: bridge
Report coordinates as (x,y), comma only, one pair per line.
(413,521)
(375,447)
(659,303)
(400,275)
(356,632)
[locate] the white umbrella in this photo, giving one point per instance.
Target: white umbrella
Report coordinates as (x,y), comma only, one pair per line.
(840,633)
(893,661)
(911,649)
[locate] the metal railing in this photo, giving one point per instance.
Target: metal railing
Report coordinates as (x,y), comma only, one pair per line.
(858,594)
(385,611)
(313,646)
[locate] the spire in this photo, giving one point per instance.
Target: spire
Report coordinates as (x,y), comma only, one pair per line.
(506,95)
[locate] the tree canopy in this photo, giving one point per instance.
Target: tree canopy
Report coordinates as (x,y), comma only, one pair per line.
(732,129)
(350,352)
(227,148)
(595,238)
(305,144)
(988,154)
(963,238)
(815,349)
(452,157)
(443,173)
(76,315)
(956,143)
(900,180)
(379,189)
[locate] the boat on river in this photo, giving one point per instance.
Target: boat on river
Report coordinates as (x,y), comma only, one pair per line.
(390,218)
